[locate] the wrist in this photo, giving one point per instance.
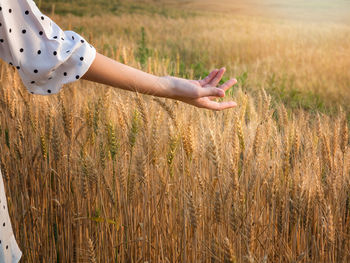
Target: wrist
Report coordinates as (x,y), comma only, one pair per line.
(167,87)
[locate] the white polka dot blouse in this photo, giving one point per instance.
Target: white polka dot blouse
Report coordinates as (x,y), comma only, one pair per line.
(9,250)
(45,56)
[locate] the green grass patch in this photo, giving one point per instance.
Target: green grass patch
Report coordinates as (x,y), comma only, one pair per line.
(117,7)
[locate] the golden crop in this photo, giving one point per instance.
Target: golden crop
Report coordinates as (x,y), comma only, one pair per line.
(98,174)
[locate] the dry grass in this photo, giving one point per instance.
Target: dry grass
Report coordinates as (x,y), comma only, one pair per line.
(96,174)
(104,177)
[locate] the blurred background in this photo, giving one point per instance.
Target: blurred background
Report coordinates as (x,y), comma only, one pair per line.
(298,50)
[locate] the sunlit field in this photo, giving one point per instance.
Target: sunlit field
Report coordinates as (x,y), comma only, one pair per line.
(99,174)
(303,62)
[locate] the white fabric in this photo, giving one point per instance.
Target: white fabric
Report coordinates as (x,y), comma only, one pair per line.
(9,250)
(46,56)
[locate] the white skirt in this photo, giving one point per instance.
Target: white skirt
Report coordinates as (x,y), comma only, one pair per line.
(9,250)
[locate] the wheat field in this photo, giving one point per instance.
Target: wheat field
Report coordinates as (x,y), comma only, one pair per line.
(99,174)
(302,64)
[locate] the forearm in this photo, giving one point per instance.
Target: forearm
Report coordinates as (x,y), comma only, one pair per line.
(110,72)
(199,93)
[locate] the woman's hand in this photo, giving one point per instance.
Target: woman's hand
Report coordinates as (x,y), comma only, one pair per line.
(202,93)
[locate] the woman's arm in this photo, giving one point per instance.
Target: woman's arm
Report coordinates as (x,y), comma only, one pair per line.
(199,93)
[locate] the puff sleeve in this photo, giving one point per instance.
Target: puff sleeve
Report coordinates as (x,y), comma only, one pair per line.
(45,56)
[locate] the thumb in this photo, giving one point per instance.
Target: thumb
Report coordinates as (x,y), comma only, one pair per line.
(211,91)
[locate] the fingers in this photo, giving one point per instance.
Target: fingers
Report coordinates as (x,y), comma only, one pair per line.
(215,81)
(210,91)
(208,78)
(212,105)
(228,84)
(209,83)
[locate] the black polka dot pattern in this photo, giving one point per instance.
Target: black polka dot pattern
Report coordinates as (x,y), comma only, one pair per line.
(45,56)
(9,250)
